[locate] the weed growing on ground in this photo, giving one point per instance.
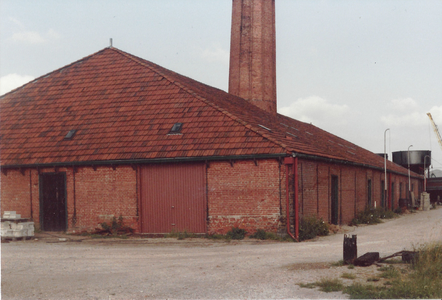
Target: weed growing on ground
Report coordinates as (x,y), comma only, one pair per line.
(237,233)
(115,228)
(330,285)
(423,279)
(217,237)
(389,272)
(307,285)
(339,263)
(373,279)
(180,235)
(325,284)
(348,276)
(261,234)
(311,226)
(372,216)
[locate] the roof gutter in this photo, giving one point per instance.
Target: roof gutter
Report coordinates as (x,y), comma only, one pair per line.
(144,161)
(346,162)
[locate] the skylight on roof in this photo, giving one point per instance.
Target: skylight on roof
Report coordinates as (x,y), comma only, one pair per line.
(176,128)
(262,126)
(70,134)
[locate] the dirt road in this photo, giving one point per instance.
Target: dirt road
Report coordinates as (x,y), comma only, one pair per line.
(195,268)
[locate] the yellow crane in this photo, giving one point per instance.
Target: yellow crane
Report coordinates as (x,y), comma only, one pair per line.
(435,130)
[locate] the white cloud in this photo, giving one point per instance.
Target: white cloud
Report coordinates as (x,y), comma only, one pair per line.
(216,53)
(407,120)
(404,104)
(22,35)
(12,81)
(318,111)
(28,37)
(407,113)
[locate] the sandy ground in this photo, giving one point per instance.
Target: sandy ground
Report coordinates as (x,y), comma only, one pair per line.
(197,268)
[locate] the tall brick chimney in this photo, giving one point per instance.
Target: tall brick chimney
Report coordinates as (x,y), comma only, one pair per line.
(252,73)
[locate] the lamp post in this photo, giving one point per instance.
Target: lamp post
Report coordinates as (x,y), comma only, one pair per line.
(425,176)
(408,161)
(385,166)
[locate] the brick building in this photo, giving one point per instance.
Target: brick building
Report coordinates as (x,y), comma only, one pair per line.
(113,134)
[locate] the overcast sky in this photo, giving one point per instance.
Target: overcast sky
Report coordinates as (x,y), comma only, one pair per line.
(353,68)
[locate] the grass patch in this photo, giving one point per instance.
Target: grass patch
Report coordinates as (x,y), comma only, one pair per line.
(180,235)
(311,226)
(325,284)
(237,233)
(373,279)
(261,234)
(101,236)
(307,285)
(217,237)
(372,216)
(339,263)
(351,267)
(348,276)
(423,281)
(389,272)
(330,285)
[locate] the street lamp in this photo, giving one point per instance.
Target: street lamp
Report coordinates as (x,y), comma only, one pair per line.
(385,166)
(408,161)
(425,177)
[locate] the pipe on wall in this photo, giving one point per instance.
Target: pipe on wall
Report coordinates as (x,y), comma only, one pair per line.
(295,170)
(293,162)
(30,193)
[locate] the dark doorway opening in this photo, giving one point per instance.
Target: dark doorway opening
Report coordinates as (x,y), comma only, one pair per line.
(53,212)
(334,200)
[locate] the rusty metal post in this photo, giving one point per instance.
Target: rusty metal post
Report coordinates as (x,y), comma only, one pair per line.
(350,249)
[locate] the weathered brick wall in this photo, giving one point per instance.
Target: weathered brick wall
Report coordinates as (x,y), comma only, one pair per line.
(15,192)
(244,195)
(323,192)
(96,197)
(315,189)
(102,194)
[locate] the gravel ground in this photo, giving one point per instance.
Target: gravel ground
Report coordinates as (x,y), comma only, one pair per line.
(197,268)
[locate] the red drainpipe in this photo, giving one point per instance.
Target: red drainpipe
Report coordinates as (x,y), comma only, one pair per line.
(295,170)
(294,162)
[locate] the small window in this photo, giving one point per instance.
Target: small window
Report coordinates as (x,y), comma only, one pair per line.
(70,134)
(176,128)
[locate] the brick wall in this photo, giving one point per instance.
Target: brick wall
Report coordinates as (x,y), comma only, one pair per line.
(315,189)
(102,194)
(96,197)
(16,191)
(244,195)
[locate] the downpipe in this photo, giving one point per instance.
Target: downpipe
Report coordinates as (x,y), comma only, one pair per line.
(294,163)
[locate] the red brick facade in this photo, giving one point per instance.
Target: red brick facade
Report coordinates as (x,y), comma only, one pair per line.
(244,194)
(248,194)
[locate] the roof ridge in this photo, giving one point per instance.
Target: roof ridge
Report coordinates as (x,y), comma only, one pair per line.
(205,100)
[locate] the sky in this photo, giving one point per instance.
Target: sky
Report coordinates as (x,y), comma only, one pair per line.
(352,68)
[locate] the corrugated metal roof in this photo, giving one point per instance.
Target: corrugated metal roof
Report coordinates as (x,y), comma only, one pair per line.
(123,107)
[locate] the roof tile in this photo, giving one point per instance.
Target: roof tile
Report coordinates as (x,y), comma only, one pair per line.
(123,108)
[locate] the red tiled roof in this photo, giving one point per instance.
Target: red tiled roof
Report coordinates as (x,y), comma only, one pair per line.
(123,107)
